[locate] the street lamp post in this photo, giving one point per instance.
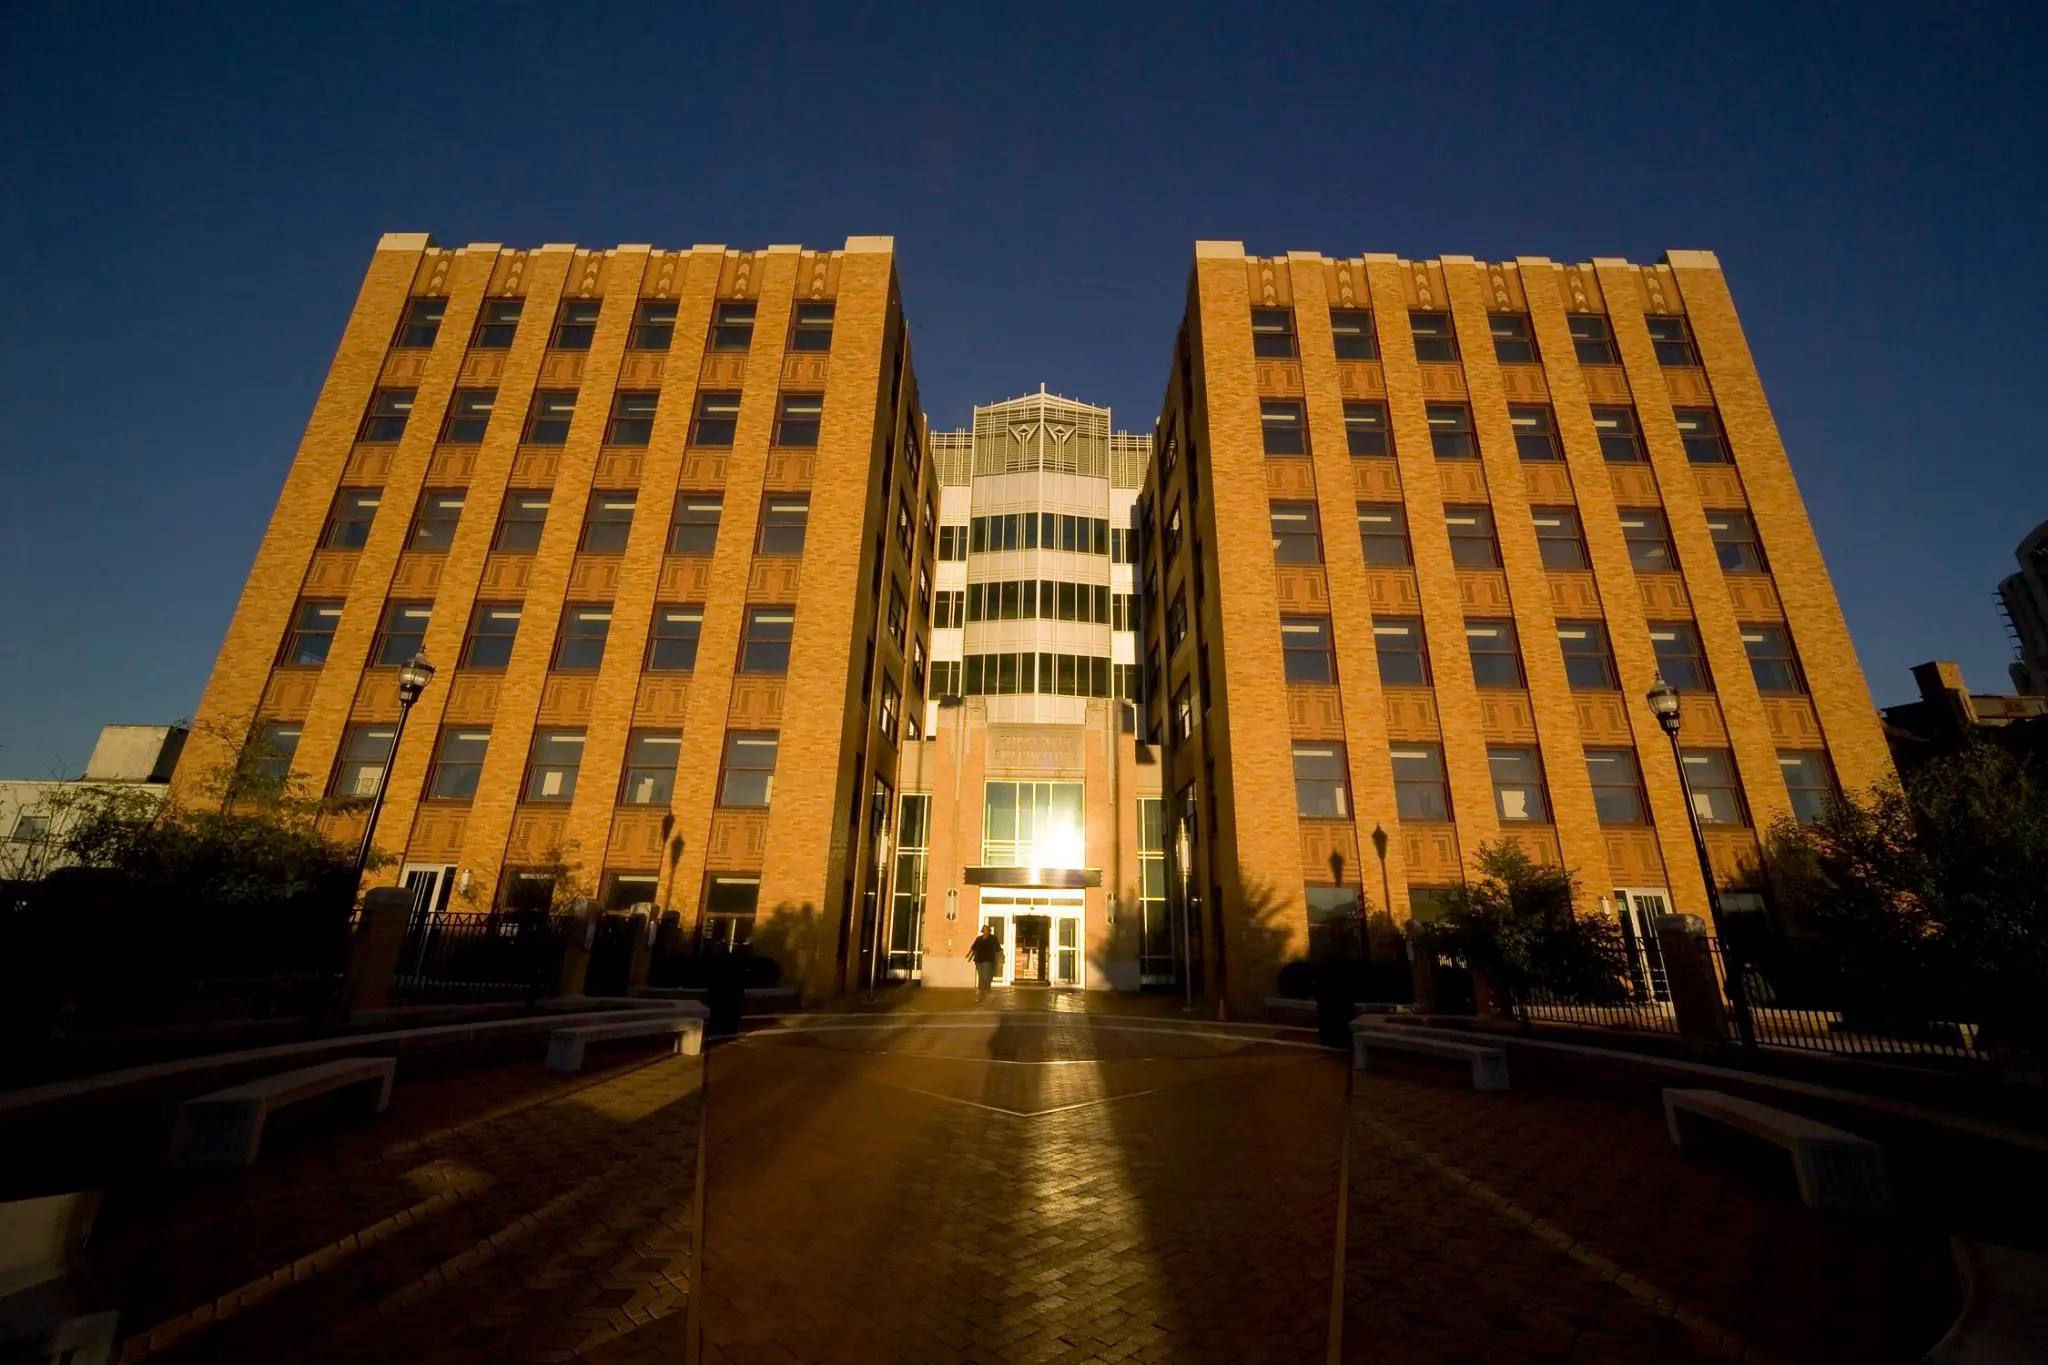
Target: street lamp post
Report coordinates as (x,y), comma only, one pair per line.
(1664,705)
(413,678)
(1183,854)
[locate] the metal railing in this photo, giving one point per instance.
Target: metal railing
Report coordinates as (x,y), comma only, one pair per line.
(480,957)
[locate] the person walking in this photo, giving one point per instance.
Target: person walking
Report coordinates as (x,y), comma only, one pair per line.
(986,952)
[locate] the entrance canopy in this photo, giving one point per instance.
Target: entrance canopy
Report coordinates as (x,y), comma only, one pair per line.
(1033,876)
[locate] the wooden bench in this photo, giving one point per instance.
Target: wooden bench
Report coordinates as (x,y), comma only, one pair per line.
(566,1045)
(222,1131)
(1838,1172)
(2005,1307)
(1489,1064)
(49,1309)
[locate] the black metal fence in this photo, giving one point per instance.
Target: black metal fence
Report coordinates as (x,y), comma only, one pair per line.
(453,958)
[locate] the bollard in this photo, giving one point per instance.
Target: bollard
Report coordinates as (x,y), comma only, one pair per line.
(373,952)
(1696,996)
(642,961)
(576,952)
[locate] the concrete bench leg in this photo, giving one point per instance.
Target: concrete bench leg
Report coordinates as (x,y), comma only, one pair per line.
(691,1041)
(1839,1178)
(1489,1073)
(1357,1054)
(565,1054)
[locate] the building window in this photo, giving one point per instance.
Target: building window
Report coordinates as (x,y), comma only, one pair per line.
(1320,775)
(1435,341)
(580,648)
(1404,662)
(1383,535)
(469,416)
(1305,649)
(496,324)
(1033,824)
(1419,792)
(608,524)
(385,421)
(365,752)
(421,323)
(1558,539)
(1735,542)
(654,326)
(1673,340)
(729,906)
(1535,433)
(1620,441)
(945,677)
(520,523)
(916,665)
(1184,711)
(402,634)
(904,528)
(434,526)
(1294,533)
(796,420)
(783,518)
(312,634)
(1273,333)
(1496,662)
(1700,429)
(547,421)
(898,614)
(886,709)
(1518,786)
(672,646)
(1810,782)
(492,629)
(1591,340)
(1648,537)
(1365,430)
(695,528)
(348,525)
(1351,330)
(1286,430)
(811,327)
(1716,795)
(765,648)
(1617,786)
(953,542)
(1772,661)
(552,767)
(1513,342)
(906,898)
(1450,432)
(732,327)
(575,324)
(1588,664)
(1176,622)
(458,764)
(632,420)
(749,777)
(1679,659)
(1172,541)
(1472,541)
(718,416)
(277,743)
(624,890)
(651,757)
(950,610)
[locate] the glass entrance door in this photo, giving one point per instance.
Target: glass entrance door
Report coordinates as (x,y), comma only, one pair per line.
(1639,910)
(1041,936)
(1028,959)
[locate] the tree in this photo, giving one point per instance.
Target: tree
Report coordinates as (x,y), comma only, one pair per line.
(1518,927)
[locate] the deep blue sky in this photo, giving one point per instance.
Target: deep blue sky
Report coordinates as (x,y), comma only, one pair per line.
(189,194)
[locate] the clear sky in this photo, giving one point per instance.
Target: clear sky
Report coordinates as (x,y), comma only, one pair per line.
(189,195)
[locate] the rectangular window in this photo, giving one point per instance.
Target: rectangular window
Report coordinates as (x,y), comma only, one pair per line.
(1558,539)
(949,610)
(1735,542)
(654,326)
(1648,537)
(580,647)
(1321,790)
(1273,333)
(749,777)
(1518,786)
(608,524)
(624,890)
(887,708)
(1496,662)
(1513,341)
(1716,795)
(632,419)
(1435,341)
(1419,792)
(1472,541)
(1810,782)
(1285,428)
(718,417)
(1172,541)
(421,323)
(1383,535)
(276,745)
(1772,661)
(469,416)
(899,613)
(651,757)
(1535,433)
(433,528)
(1620,441)
(729,905)
(1617,786)
(672,645)
(492,629)
(1294,533)
(1673,340)
(520,523)
(547,421)
(810,328)
(385,421)
(458,763)
(1588,664)
(348,525)
(796,420)
(765,648)
(1700,429)
(312,634)
(783,519)
(694,531)
(402,634)
(904,528)
(1365,430)
(575,324)
(1591,340)
(1404,662)
(1184,711)
(365,752)
(1033,824)
(946,677)
(1450,432)
(552,766)
(1176,622)
(496,324)
(953,542)
(1679,659)
(1305,649)
(1351,330)
(732,327)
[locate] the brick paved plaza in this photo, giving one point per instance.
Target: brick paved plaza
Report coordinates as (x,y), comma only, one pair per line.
(929,1181)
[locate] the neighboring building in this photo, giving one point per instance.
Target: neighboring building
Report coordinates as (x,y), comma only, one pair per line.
(33,814)
(1416,538)
(2024,599)
(1949,715)
(661,519)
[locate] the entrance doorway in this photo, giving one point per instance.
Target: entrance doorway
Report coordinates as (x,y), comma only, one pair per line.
(1041,934)
(1639,908)
(1028,965)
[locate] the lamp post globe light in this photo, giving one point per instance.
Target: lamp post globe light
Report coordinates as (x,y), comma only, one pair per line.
(413,677)
(1664,705)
